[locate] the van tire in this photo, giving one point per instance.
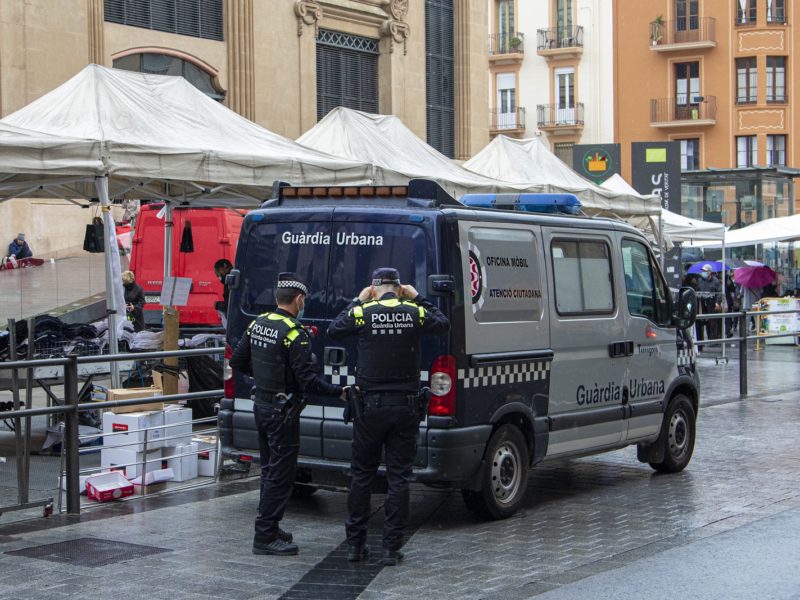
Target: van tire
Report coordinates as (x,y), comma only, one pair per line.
(678,432)
(504,476)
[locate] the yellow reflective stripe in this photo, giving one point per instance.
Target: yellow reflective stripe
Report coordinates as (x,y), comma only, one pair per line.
(421,315)
(358,314)
(370,303)
(291,336)
(390,303)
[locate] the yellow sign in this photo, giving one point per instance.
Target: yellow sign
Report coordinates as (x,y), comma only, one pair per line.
(655,155)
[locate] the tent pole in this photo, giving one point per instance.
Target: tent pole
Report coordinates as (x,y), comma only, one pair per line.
(114,297)
(726,308)
(167,240)
(661,240)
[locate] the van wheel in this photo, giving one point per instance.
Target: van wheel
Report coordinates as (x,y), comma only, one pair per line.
(504,476)
(677,434)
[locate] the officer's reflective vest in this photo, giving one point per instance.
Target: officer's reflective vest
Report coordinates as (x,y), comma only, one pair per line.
(389,358)
(270,335)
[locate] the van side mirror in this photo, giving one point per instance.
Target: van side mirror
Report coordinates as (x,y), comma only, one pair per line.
(441,285)
(686,310)
(232,279)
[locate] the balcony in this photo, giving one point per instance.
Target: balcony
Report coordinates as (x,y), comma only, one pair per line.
(678,112)
(694,34)
(558,119)
(506,47)
(559,42)
(508,123)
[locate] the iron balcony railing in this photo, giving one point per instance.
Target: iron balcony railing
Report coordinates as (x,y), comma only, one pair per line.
(514,119)
(776,18)
(559,37)
(553,115)
(682,108)
(507,43)
(693,29)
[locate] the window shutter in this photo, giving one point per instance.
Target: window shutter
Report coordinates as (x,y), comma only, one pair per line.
(347,72)
(439,75)
(197,18)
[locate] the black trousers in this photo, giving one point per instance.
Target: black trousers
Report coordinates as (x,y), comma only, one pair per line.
(393,429)
(279,444)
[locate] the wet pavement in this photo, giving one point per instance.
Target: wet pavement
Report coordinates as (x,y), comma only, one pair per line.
(599,527)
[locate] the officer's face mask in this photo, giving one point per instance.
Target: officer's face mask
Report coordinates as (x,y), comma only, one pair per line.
(704,274)
(301,308)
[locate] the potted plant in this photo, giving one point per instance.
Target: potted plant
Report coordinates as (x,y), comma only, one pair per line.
(515,42)
(655,30)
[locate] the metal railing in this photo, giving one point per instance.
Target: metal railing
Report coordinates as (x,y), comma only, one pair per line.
(507,120)
(681,108)
(691,30)
(742,318)
(559,37)
(71,408)
(553,115)
(507,43)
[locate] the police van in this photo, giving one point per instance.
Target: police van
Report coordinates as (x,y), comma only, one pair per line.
(565,339)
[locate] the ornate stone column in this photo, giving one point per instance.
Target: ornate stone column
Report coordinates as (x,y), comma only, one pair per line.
(96,16)
(241,70)
(471,123)
(309,13)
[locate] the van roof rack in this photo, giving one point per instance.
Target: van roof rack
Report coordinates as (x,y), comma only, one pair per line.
(422,193)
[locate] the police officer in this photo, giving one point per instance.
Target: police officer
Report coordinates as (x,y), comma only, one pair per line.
(388,319)
(276,352)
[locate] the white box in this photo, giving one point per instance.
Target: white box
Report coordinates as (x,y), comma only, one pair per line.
(135,423)
(184,467)
(180,419)
(129,462)
(207,457)
(108,486)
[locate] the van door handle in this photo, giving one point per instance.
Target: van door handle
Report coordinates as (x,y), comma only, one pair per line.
(335,356)
(620,349)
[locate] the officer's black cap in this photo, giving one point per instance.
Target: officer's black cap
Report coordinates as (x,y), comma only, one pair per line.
(293,281)
(385,275)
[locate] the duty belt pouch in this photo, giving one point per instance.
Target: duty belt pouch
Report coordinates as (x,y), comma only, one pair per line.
(423,400)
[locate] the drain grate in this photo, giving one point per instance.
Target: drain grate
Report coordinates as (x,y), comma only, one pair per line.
(88,552)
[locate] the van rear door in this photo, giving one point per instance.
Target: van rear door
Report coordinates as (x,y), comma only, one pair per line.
(267,248)
(357,249)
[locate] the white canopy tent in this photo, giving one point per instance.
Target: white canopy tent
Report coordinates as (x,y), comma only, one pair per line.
(384,141)
(529,161)
(676,228)
(779,229)
(109,134)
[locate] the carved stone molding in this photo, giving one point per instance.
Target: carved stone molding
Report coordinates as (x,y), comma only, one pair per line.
(395,26)
(308,12)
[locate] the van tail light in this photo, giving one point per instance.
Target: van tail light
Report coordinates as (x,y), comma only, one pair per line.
(227,373)
(443,387)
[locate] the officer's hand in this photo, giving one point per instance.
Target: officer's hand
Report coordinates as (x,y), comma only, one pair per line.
(365,294)
(408,291)
(343,395)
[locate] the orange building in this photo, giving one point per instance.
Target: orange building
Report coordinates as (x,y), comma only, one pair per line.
(718,76)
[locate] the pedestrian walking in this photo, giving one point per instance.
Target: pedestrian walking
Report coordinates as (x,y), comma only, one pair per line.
(710,293)
(134,300)
(389,318)
(276,352)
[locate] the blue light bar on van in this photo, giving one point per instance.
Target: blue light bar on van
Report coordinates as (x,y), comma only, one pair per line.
(567,204)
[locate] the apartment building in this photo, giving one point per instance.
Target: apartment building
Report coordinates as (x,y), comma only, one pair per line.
(719,78)
(281,63)
(550,71)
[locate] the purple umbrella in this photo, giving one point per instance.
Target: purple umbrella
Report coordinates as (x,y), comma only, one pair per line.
(716,266)
(754,277)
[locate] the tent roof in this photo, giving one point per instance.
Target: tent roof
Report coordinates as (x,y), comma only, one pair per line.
(779,229)
(530,161)
(385,141)
(145,130)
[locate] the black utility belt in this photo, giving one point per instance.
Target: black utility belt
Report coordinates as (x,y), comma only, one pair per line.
(390,399)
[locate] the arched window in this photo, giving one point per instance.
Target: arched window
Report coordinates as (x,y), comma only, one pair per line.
(165,64)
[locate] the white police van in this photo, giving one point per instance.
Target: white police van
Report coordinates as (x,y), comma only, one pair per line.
(565,339)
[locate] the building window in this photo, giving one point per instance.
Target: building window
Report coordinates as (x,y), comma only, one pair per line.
(690,154)
(439,76)
(506,109)
(565,95)
(687,89)
(776,79)
(197,18)
(582,277)
(746,12)
(564,152)
(564,19)
(347,72)
(164,64)
(687,15)
(746,151)
(776,150)
(746,80)
(776,11)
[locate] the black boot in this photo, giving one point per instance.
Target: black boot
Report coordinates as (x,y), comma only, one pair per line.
(357,553)
(391,557)
(284,535)
(276,547)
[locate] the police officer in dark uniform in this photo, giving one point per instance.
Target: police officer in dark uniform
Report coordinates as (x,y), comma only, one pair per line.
(276,351)
(389,319)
